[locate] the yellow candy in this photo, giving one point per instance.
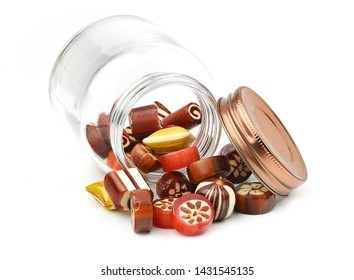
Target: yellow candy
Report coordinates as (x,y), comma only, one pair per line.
(98,191)
(169,139)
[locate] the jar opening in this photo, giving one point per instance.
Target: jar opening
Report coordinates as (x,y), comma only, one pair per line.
(167,88)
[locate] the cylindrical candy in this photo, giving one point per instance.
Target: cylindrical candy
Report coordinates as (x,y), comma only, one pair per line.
(162,212)
(128,140)
(141,210)
(96,140)
(162,111)
(144,158)
(216,166)
(188,117)
(254,198)
(112,161)
(173,184)
(119,184)
(239,170)
(144,121)
(221,193)
(179,159)
(104,126)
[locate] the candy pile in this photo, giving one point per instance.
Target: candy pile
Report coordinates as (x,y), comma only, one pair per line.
(157,138)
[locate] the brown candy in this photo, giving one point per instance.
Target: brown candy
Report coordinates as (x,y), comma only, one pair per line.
(144,158)
(96,141)
(239,170)
(128,140)
(103,124)
(173,184)
(221,193)
(254,198)
(188,117)
(144,121)
(216,166)
(119,185)
(98,136)
(163,112)
(141,210)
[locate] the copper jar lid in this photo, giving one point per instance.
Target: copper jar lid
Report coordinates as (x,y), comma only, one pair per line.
(262,141)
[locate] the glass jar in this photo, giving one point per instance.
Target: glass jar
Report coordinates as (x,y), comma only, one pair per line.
(122,62)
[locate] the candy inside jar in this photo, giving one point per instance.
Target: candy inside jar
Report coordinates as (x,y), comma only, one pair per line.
(174,114)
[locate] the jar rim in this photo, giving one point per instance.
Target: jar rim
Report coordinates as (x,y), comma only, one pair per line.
(207,139)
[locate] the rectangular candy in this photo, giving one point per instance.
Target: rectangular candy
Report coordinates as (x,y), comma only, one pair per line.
(119,184)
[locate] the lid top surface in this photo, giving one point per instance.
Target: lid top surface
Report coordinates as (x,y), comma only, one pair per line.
(263,141)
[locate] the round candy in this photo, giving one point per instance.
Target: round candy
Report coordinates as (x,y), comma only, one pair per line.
(173,184)
(254,198)
(208,167)
(221,193)
(239,170)
(192,214)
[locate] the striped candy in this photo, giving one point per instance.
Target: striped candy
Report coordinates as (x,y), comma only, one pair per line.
(119,184)
(220,192)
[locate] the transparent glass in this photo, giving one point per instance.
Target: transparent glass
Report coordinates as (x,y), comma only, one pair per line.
(122,62)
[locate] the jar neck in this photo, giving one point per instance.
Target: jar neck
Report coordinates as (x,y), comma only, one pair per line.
(208,135)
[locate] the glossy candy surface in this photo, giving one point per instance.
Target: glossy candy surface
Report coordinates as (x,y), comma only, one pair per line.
(112,161)
(254,198)
(141,210)
(162,212)
(239,170)
(119,184)
(144,158)
(216,166)
(173,184)
(144,121)
(188,117)
(169,139)
(128,140)
(96,141)
(221,193)
(98,192)
(162,111)
(179,159)
(192,214)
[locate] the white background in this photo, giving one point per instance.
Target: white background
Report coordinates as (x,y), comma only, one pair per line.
(298,56)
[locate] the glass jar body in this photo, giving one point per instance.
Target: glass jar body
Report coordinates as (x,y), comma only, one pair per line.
(122,62)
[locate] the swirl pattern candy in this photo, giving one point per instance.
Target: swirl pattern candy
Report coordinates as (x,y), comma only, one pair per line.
(220,192)
(188,117)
